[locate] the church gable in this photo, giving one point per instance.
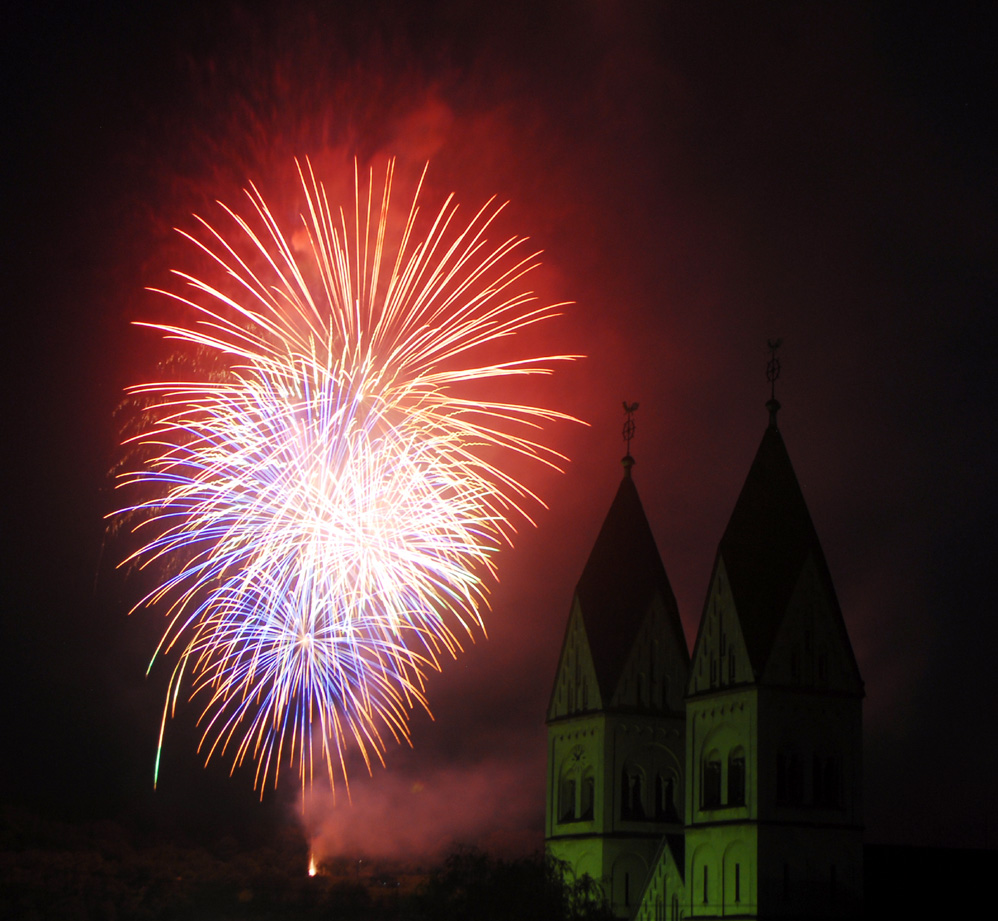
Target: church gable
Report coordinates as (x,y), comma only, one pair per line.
(715,785)
(720,657)
(576,689)
(665,891)
(655,672)
(764,546)
(812,647)
(622,580)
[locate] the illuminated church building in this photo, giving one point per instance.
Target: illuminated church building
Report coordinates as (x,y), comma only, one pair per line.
(726,785)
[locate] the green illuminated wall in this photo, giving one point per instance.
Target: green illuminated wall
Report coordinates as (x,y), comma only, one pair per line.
(616,736)
(759,736)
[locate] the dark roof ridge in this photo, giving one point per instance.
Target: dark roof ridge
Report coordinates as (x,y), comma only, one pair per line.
(621,578)
(766,544)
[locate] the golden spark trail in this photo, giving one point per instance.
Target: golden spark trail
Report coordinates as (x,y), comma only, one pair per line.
(329,508)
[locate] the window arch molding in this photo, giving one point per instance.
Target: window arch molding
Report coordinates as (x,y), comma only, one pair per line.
(576,792)
(711,771)
(737,784)
(633,790)
(649,774)
(721,749)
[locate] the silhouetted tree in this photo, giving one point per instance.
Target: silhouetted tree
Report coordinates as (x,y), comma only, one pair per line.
(473,884)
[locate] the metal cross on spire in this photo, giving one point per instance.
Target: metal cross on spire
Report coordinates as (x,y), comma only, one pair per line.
(772,375)
(629,410)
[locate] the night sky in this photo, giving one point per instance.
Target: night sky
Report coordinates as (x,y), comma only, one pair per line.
(701,177)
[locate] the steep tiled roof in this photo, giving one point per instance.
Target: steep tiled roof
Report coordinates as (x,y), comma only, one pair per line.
(765,546)
(622,576)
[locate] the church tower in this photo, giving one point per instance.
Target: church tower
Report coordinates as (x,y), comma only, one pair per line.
(774,722)
(616,733)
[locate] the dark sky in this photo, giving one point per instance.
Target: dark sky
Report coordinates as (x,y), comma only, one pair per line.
(700,177)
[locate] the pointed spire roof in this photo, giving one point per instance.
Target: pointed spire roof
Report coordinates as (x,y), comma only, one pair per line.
(621,578)
(766,544)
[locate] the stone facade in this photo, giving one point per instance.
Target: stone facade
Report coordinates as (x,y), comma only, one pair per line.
(728,784)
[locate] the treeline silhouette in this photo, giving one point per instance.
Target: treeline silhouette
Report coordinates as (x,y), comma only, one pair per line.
(50,870)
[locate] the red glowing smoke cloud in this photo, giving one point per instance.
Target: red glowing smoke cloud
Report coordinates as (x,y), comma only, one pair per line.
(422,812)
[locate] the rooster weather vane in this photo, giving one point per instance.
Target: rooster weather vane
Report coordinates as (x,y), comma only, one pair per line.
(772,375)
(628,433)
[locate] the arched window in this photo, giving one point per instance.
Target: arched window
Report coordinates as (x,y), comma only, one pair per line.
(736,777)
(631,795)
(789,779)
(665,798)
(711,797)
(575,787)
(566,800)
(588,797)
(628,877)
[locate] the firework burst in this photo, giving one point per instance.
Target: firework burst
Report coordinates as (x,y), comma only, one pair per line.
(329,506)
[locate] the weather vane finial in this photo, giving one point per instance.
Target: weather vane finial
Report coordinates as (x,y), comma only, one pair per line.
(629,410)
(772,375)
